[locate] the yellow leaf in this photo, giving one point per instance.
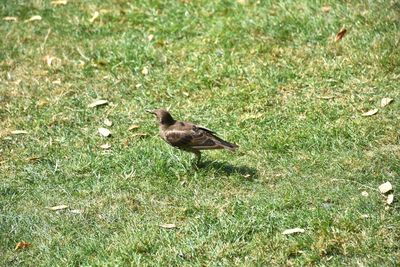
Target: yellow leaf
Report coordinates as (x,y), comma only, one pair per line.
(34,18)
(59,207)
(19,132)
(293,231)
(59,2)
(133,127)
(22,244)
(370,112)
(10,18)
(99,102)
(168,226)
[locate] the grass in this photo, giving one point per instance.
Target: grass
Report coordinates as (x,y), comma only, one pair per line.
(264,74)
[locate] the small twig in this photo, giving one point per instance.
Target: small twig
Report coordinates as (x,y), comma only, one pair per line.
(45,39)
(360,184)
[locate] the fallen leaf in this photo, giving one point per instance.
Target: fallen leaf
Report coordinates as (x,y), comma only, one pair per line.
(327,97)
(59,207)
(133,127)
(107,122)
(168,225)
(370,112)
(19,132)
(48,60)
(386,101)
(326,9)
(34,18)
(105,146)
(140,135)
(22,244)
(138,85)
(10,18)
(59,2)
(94,17)
(76,211)
(99,102)
(364,193)
(390,199)
(150,37)
(42,102)
(104,132)
(34,158)
(365,216)
(145,71)
(293,231)
(385,187)
(340,34)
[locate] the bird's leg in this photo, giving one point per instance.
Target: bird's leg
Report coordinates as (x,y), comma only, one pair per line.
(198,156)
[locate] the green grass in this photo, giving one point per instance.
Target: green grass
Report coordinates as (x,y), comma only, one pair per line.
(256,73)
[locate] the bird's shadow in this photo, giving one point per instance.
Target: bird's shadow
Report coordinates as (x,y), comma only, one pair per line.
(229,169)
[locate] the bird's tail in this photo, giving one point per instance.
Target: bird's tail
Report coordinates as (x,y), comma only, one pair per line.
(225,144)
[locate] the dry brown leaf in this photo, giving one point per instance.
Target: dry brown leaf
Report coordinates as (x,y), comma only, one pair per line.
(94,17)
(34,18)
(104,132)
(385,188)
(390,199)
(386,101)
(168,225)
(34,158)
(107,122)
(99,102)
(293,231)
(15,132)
(364,193)
(326,9)
(133,127)
(22,244)
(59,2)
(8,18)
(59,207)
(370,112)
(105,146)
(340,34)
(150,37)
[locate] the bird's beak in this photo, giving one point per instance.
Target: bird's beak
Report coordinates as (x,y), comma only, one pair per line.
(150,111)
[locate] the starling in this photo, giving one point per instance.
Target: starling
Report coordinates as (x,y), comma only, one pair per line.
(188,136)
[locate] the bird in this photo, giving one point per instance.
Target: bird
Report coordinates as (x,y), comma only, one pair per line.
(188,136)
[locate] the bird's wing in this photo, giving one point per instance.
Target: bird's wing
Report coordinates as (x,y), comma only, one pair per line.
(196,138)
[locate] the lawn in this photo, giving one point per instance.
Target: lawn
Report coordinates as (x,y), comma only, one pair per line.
(267,75)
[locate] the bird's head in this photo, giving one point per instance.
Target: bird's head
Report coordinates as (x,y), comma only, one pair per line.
(163,116)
